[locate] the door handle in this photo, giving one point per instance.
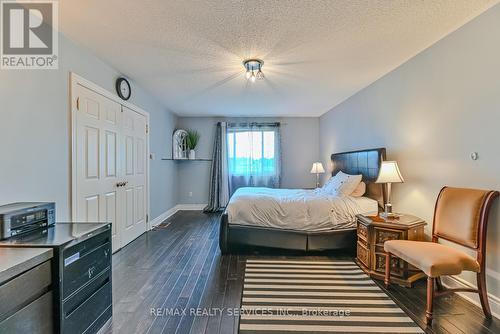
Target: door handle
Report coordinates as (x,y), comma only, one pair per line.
(121,184)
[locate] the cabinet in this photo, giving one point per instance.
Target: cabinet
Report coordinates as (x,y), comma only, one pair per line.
(373,231)
(26,304)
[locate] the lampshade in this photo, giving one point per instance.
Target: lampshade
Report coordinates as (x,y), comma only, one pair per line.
(317,167)
(389,173)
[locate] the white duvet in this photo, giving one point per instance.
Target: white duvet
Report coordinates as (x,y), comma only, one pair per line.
(293,209)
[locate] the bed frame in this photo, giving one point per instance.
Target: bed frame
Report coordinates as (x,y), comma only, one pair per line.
(234,238)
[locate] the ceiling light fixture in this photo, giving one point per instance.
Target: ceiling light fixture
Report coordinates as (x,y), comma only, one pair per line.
(253,69)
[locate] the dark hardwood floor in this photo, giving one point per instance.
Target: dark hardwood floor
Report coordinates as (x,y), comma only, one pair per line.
(179,267)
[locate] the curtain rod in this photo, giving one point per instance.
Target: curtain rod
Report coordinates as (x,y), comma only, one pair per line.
(257,124)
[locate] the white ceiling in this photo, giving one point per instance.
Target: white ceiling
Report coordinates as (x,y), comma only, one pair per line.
(317,53)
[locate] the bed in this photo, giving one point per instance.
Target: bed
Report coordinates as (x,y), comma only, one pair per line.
(302,220)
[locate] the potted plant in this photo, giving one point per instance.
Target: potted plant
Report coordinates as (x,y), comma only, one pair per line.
(192,139)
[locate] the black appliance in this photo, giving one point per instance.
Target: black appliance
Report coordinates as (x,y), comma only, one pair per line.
(81,270)
(22,217)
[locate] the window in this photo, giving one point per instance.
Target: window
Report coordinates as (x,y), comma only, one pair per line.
(253,155)
(252,152)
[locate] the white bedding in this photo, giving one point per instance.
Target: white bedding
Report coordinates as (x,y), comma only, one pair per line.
(367,205)
(296,209)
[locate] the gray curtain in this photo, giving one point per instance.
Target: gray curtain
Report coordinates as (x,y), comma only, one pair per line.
(219,180)
(251,177)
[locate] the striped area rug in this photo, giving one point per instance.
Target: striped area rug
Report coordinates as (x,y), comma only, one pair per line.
(283,296)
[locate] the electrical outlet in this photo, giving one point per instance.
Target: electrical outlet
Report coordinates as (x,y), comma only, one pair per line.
(190,194)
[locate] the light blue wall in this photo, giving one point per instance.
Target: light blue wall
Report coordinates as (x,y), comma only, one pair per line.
(35,132)
(430,114)
(299,145)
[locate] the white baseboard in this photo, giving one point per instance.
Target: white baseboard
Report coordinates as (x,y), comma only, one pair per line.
(190,207)
(457,282)
(172,211)
(161,218)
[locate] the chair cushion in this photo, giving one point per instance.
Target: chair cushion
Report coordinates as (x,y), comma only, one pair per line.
(432,258)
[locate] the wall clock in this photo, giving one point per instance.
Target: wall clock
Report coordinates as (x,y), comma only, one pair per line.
(123,88)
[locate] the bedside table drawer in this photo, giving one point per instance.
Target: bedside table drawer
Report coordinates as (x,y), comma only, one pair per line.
(384,234)
(363,233)
(363,243)
(363,254)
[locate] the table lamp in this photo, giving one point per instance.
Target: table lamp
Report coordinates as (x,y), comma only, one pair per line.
(317,168)
(389,173)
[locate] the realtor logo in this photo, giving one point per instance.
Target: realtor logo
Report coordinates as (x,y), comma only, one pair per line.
(29,35)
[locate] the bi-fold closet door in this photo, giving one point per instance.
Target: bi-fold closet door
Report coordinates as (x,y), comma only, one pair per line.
(110,160)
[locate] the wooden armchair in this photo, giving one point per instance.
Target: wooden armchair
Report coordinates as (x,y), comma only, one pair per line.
(460,216)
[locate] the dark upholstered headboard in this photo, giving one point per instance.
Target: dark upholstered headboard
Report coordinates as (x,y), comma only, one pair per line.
(366,163)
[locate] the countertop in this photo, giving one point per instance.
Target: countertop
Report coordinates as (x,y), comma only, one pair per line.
(55,235)
(14,261)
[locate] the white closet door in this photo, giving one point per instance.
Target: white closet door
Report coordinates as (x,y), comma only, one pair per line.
(98,130)
(134,167)
(110,165)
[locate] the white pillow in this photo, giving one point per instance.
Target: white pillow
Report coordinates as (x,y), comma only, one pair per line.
(342,184)
(331,185)
(360,190)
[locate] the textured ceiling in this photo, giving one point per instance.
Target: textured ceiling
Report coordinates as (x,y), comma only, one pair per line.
(317,53)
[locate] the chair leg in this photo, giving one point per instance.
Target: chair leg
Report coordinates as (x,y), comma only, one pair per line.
(387,278)
(430,297)
(439,284)
(483,295)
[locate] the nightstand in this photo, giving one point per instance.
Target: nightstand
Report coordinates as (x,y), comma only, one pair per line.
(373,231)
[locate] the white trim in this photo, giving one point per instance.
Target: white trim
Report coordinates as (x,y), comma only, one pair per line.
(75,78)
(164,216)
(190,207)
(172,211)
(457,282)
(74,81)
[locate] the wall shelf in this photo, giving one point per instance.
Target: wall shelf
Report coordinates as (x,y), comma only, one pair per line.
(186,159)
